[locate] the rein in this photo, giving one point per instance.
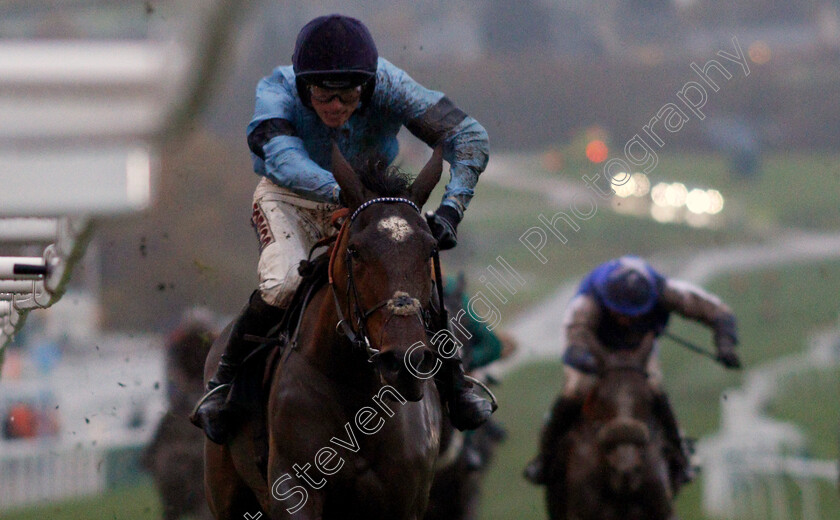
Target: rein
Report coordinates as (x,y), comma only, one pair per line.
(626,368)
(401,304)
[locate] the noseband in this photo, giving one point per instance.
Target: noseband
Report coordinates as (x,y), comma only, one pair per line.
(401,304)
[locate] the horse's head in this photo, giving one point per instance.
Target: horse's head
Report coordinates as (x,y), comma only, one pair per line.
(623,441)
(381,273)
(622,403)
(623,377)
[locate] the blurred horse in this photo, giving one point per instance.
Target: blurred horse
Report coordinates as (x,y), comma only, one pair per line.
(464,457)
(175,457)
(341,397)
(611,465)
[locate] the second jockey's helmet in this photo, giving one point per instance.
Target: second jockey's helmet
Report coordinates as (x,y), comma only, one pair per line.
(335,52)
(627,286)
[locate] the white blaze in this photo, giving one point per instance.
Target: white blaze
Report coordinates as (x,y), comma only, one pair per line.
(396,228)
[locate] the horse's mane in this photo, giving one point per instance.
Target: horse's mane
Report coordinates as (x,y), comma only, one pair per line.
(384,180)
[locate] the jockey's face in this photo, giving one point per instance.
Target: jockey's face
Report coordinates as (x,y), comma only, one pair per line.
(334,106)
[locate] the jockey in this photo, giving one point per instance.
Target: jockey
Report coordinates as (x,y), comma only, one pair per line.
(617,305)
(483,347)
(337,89)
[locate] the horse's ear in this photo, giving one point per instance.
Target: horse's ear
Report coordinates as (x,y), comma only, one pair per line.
(428,178)
(351,187)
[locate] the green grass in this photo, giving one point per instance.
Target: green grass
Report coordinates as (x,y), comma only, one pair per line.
(792,190)
(819,388)
(497,218)
(130,503)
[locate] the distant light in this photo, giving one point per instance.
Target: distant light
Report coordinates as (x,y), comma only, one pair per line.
(675,194)
(642,184)
(657,194)
(622,185)
(663,214)
(759,52)
(697,201)
(597,151)
(698,221)
(715,202)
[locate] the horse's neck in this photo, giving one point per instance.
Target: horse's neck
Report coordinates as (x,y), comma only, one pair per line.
(328,351)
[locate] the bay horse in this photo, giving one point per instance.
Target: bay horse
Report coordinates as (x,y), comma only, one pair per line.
(352,433)
(175,456)
(611,464)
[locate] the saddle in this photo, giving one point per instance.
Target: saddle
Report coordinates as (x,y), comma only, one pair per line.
(251,385)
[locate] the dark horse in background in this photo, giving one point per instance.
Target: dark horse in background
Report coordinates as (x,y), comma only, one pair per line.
(175,457)
(456,488)
(611,465)
(352,434)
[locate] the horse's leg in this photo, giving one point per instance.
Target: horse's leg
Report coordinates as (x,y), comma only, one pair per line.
(294,501)
(227,494)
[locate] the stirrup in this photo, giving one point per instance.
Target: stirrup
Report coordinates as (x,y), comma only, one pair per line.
(493,401)
(215,390)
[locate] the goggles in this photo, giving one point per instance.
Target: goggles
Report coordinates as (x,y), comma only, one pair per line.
(347,96)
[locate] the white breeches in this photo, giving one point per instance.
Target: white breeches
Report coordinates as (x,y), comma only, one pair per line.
(288,226)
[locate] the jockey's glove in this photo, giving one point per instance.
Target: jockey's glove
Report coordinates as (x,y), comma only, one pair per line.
(580,358)
(727,356)
(443,224)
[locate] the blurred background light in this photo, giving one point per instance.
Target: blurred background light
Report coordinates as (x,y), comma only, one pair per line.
(622,185)
(715,202)
(641,184)
(597,151)
(657,194)
(675,194)
(697,201)
(663,214)
(759,52)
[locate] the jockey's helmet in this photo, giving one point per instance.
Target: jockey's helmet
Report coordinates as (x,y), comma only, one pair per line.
(628,286)
(335,52)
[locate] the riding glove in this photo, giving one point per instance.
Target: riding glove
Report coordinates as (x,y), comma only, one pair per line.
(443,224)
(580,358)
(727,356)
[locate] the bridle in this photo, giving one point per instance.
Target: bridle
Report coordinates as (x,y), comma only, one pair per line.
(401,304)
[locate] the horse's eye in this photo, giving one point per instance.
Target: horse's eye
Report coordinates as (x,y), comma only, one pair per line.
(354,253)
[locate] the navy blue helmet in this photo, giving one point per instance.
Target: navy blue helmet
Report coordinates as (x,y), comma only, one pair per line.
(627,286)
(335,52)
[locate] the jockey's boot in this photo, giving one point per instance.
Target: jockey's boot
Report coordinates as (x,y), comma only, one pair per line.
(680,460)
(563,415)
(213,413)
(467,411)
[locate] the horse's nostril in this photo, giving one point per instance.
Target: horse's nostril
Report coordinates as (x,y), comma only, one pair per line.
(388,362)
(429,360)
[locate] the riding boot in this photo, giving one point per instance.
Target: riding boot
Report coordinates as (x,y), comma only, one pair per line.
(213,413)
(467,411)
(680,460)
(563,415)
